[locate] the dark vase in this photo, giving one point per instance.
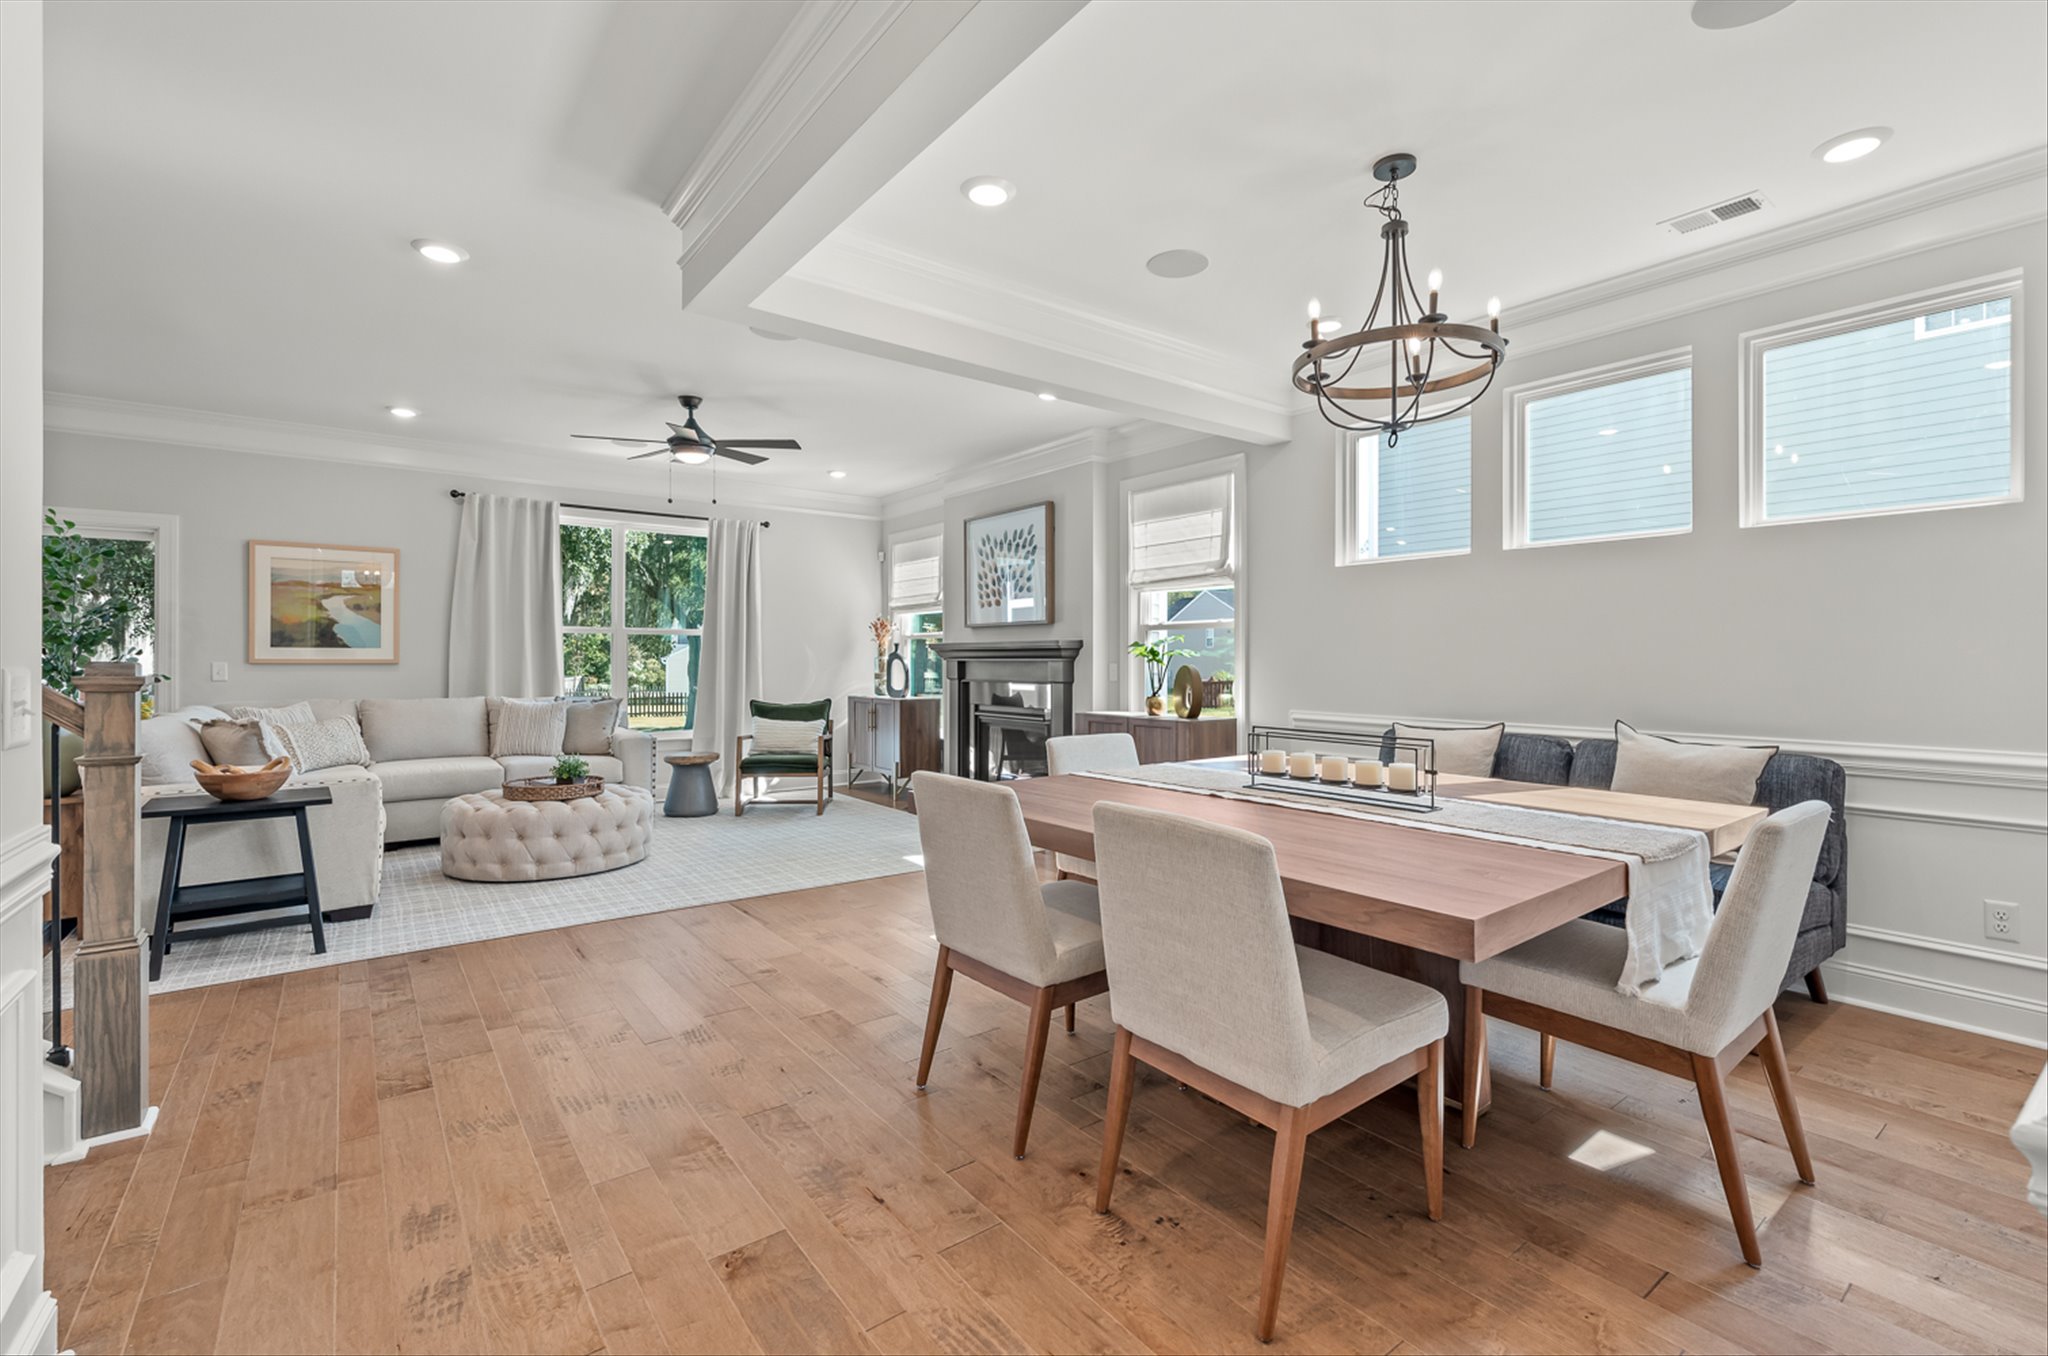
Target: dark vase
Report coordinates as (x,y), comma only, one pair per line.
(899,673)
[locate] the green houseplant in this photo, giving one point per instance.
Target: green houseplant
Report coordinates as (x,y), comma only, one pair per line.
(1158,656)
(570,768)
(96,602)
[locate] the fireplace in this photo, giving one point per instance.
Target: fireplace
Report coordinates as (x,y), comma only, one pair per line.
(976,670)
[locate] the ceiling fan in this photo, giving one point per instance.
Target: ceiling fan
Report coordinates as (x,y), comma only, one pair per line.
(690,444)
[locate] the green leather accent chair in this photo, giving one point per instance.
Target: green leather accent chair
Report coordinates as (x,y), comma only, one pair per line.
(816,765)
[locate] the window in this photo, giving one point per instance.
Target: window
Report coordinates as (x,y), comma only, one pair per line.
(1602,454)
(633,618)
(134,558)
(1411,499)
(916,606)
(1892,408)
(1183,573)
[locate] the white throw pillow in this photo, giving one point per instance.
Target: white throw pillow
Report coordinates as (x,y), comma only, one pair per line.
(298,713)
(324,743)
(529,727)
(1462,750)
(1651,765)
(786,736)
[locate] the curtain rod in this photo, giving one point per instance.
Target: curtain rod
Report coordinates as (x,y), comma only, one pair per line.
(623,513)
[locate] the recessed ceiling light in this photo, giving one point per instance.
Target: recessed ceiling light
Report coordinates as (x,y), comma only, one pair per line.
(1047,395)
(402,412)
(988,191)
(440,251)
(772,335)
(1852,145)
(2000,365)
(1177,263)
(1609,432)
(1720,14)
(836,475)
(1667,470)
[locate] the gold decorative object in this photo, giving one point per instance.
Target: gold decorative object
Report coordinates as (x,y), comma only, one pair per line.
(228,782)
(1154,704)
(1187,692)
(547,788)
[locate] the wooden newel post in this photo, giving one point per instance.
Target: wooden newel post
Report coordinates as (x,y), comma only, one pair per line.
(110,1022)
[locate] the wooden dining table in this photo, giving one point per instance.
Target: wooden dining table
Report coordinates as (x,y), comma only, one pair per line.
(1394,896)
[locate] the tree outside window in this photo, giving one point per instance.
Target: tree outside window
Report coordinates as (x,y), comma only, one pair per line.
(633,619)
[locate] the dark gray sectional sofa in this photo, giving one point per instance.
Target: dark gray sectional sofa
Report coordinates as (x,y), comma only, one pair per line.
(1788,779)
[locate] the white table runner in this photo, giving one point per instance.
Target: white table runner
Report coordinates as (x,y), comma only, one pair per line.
(1670,896)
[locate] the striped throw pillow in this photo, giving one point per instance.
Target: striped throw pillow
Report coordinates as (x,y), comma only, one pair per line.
(787,736)
(529,727)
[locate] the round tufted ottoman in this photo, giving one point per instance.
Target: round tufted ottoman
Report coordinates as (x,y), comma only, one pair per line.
(486,837)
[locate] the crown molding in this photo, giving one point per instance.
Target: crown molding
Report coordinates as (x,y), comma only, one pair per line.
(1086,448)
(566,473)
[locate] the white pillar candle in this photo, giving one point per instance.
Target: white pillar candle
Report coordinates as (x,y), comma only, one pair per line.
(1400,776)
(1336,770)
(1273,762)
(1301,765)
(1368,774)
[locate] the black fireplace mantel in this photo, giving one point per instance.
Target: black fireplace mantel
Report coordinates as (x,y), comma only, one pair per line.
(974,668)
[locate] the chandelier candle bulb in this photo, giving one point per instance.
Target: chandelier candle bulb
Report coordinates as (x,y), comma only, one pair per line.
(1273,762)
(1493,313)
(1302,765)
(1436,285)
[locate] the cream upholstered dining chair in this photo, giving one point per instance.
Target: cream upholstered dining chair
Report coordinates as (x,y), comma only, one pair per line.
(1039,944)
(1086,753)
(1697,1021)
(1208,987)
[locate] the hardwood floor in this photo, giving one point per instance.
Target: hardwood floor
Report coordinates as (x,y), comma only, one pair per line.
(697,1131)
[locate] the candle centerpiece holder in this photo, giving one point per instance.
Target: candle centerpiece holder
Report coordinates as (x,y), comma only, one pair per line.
(1348,766)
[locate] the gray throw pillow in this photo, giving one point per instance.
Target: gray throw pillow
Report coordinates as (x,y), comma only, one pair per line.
(590,726)
(237,743)
(528,727)
(1651,765)
(1462,750)
(324,743)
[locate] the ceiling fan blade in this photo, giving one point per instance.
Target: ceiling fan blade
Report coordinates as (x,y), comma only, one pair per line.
(784,444)
(743,458)
(599,437)
(683,432)
(661,451)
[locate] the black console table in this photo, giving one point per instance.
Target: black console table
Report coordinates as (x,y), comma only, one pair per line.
(227,898)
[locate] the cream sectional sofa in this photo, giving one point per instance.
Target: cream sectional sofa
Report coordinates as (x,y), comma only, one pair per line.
(424,751)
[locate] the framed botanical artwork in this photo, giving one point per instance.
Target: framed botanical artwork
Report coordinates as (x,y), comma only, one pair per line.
(315,604)
(1009,567)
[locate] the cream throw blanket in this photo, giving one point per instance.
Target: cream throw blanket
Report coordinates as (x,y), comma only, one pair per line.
(1670,898)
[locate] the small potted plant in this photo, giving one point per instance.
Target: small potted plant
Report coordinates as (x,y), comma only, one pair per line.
(1158,656)
(570,769)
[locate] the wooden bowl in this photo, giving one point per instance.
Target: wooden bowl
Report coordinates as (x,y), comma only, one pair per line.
(236,783)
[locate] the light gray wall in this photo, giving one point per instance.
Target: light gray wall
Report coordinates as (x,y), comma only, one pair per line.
(21,400)
(1923,629)
(816,570)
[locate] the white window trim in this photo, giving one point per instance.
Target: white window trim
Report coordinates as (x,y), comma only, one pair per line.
(1514,476)
(1350,530)
(1753,345)
(1130,671)
(621,650)
(162,528)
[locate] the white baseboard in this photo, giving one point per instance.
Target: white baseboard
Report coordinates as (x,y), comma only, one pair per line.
(36,1335)
(1964,1007)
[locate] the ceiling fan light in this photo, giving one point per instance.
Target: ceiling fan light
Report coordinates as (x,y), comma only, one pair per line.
(692,456)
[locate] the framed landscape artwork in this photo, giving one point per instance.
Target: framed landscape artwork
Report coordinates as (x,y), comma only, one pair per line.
(1009,567)
(315,604)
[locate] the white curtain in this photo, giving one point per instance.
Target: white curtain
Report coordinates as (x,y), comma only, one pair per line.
(729,667)
(505,619)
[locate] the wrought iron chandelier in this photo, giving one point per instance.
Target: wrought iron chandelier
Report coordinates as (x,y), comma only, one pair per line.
(1423,352)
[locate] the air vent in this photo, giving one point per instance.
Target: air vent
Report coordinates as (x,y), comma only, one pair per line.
(1748,204)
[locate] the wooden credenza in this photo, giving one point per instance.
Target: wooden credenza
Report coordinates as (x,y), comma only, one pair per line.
(891,736)
(1164,739)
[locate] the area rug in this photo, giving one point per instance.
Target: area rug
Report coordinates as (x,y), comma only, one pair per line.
(768,851)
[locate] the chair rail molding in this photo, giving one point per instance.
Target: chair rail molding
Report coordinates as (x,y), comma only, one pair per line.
(1933,832)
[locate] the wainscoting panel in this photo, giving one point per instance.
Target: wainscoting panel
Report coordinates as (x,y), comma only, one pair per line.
(27,1313)
(1933,834)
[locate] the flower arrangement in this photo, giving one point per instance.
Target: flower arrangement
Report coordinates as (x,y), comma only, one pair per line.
(881,628)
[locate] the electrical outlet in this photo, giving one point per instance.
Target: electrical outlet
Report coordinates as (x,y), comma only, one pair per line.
(2001,921)
(220,670)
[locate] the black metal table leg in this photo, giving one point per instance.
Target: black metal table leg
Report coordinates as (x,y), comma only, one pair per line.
(312,882)
(166,896)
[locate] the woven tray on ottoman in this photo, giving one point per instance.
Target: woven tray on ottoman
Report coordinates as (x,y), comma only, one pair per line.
(486,837)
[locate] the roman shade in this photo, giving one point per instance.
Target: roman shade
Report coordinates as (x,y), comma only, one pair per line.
(915,580)
(1181,534)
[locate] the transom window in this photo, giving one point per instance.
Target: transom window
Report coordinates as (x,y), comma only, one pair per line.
(1602,454)
(1411,499)
(1893,408)
(633,618)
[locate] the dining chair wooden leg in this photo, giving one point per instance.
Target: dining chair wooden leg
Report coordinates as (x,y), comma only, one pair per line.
(1714,1108)
(942,989)
(1780,1075)
(1034,1064)
(1475,1062)
(1429,1098)
(1070,1019)
(1290,1145)
(1123,1076)
(1548,1061)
